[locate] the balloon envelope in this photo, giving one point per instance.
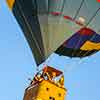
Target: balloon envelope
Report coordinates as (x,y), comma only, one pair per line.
(46,24)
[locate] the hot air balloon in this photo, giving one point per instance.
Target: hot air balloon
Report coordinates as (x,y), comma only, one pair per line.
(52,26)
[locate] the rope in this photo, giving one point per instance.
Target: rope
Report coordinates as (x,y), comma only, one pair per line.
(77,12)
(91,19)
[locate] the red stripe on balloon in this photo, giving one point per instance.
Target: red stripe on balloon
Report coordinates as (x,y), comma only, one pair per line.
(55,13)
(98,1)
(68,17)
(86,31)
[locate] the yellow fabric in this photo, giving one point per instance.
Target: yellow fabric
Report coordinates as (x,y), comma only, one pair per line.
(90,46)
(52,91)
(10,3)
(44,90)
(39,99)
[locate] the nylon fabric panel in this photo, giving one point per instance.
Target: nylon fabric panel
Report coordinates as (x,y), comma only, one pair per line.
(27,18)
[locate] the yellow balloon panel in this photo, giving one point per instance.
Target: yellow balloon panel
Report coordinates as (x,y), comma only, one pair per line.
(90,46)
(10,3)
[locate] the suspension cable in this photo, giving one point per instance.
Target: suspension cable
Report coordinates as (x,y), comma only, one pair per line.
(77,12)
(91,19)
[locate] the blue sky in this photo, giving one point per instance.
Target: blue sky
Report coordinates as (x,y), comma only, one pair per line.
(82,77)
